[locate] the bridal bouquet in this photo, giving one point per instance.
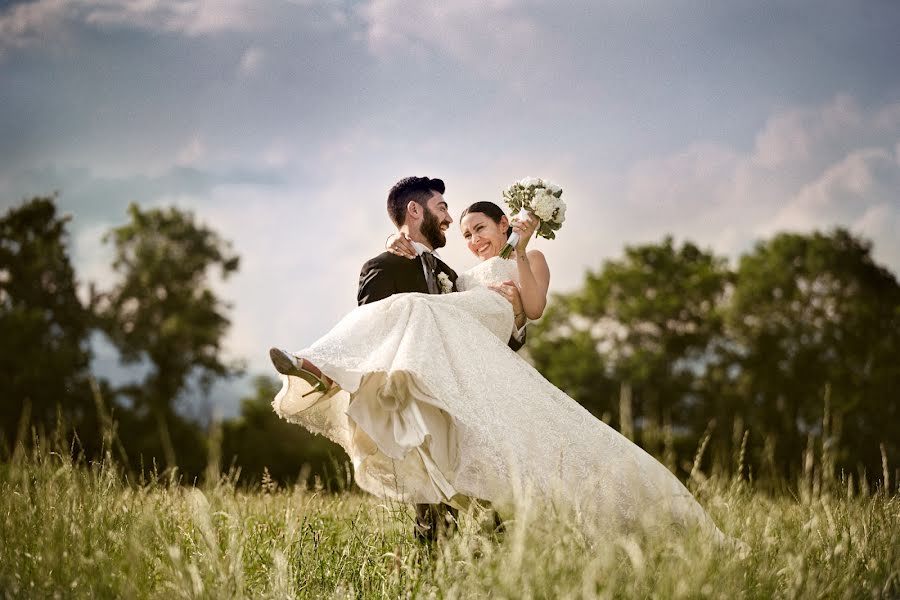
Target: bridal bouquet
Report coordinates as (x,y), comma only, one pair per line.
(540,197)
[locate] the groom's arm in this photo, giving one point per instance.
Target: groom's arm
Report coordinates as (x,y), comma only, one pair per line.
(374,282)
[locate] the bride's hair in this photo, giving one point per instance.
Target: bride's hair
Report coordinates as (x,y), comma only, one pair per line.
(494,212)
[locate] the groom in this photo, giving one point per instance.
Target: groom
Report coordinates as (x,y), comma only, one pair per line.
(417,207)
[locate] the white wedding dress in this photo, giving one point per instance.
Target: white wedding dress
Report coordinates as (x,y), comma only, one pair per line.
(432,406)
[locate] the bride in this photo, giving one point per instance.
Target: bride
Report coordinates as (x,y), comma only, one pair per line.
(432,406)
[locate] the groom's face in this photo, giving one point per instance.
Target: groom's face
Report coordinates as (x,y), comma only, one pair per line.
(435,221)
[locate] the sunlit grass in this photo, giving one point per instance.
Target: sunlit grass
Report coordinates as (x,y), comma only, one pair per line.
(72,531)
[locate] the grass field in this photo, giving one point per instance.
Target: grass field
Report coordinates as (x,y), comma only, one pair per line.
(84,531)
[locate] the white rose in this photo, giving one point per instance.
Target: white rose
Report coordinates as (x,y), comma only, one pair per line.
(561,215)
(529,182)
(445,283)
(543,204)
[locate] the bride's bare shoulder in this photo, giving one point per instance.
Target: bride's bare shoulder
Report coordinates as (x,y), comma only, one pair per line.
(539,265)
(537,257)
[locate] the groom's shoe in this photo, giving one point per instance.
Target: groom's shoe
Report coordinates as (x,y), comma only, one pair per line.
(287,364)
(434,521)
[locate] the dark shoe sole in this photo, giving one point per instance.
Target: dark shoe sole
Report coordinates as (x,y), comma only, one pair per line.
(283,363)
(286,365)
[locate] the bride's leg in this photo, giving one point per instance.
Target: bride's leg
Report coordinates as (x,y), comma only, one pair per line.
(288,364)
(305,365)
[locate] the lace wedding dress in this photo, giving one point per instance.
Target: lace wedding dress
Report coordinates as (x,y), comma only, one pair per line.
(432,406)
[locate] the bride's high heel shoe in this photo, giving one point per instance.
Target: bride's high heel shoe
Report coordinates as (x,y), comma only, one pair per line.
(287,364)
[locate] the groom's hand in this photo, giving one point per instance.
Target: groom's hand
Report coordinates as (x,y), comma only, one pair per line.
(400,245)
(509,290)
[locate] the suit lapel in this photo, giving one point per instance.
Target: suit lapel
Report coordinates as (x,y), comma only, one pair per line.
(412,278)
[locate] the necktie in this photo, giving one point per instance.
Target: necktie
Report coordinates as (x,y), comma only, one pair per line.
(430,277)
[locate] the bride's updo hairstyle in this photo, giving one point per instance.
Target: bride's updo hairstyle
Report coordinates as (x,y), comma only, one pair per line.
(494,212)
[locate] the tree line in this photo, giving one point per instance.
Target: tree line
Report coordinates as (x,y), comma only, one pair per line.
(161,313)
(791,358)
(792,353)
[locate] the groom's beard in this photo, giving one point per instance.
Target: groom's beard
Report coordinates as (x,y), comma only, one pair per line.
(431,230)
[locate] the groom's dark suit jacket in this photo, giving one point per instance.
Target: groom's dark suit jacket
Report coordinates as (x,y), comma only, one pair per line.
(388,274)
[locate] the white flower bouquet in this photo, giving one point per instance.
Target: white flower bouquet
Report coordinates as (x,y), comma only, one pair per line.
(540,197)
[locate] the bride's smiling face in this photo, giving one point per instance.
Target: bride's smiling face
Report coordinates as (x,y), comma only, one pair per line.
(484,237)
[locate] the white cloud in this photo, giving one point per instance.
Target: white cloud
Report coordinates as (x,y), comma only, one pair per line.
(881,222)
(192,153)
(861,192)
(31,23)
(278,155)
(494,37)
(810,168)
(251,60)
(92,256)
(795,136)
(189,17)
(43,21)
(785,139)
(702,172)
(843,190)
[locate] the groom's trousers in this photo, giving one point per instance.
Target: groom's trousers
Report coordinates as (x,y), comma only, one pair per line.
(433,520)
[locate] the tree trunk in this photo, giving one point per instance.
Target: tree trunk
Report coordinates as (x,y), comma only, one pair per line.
(626,422)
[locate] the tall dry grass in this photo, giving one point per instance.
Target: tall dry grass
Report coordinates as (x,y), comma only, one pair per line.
(69,529)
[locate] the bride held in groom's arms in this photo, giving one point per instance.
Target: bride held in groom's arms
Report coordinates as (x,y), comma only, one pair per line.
(424,393)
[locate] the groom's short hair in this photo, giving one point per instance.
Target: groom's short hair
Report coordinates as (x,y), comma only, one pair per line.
(417,189)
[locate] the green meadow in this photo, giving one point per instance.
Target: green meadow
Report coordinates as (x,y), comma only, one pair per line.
(70,529)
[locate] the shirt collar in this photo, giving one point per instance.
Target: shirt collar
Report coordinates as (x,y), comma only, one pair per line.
(420,248)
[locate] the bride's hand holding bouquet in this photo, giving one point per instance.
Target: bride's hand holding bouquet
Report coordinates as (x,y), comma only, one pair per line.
(541,198)
(523,227)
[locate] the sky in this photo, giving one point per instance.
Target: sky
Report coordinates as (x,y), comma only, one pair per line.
(282,125)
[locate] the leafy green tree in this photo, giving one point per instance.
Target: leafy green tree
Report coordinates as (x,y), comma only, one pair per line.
(259,439)
(44,355)
(812,313)
(648,324)
(164,312)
